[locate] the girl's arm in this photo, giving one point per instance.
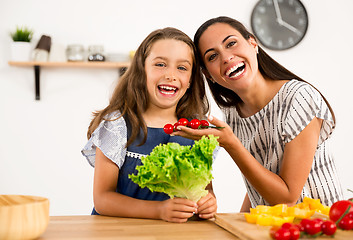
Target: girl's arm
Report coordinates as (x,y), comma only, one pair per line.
(108,202)
(297,161)
(207,206)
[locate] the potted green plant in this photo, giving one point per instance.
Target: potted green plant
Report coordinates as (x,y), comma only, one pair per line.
(21,44)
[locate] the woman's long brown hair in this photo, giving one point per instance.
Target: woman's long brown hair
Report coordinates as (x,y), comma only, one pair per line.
(268,67)
(130,96)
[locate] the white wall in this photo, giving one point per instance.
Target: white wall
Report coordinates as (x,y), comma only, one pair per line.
(40,141)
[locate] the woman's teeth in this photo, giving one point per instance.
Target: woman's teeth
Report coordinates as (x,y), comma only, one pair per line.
(236,70)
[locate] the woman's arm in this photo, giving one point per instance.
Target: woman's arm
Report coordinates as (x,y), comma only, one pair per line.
(296,165)
(108,202)
(246,204)
(297,160)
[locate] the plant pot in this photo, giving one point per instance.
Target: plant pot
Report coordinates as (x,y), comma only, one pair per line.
(20,51)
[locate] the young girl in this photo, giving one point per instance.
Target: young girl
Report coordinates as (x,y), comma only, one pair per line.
(277,125)
(160,86)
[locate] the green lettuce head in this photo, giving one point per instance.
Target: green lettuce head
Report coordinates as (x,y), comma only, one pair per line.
(179,171)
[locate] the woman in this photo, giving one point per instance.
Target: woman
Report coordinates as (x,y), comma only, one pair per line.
(277,125)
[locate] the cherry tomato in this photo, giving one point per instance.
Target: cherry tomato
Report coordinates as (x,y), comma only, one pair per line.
(328,227)
(273,230)
(338,208)
(168,128)
(300,227)
(195,123)
(183,122)
(294,233)
(346,223)
(282,234)
(287,225)
(319,220)
(204,124)
(312,227)
(175,126)
(303,222)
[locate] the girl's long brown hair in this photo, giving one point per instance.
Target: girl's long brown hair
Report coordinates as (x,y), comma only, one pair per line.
(268,67)
(130,96)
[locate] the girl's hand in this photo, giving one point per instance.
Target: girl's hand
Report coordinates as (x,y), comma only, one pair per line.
(225,134)
(177,210)
(207,206)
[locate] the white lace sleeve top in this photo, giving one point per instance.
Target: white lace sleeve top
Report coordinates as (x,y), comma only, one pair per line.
(110,137)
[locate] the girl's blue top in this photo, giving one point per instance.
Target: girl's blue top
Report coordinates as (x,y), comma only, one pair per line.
(133,154)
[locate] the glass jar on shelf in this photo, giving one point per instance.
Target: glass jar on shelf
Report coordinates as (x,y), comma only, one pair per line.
(96,53)
(75,53)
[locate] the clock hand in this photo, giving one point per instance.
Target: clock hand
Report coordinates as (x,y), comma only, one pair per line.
(278,12)
(290,27)
(280,20)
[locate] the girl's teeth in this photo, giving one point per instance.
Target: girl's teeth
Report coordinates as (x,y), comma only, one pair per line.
(167,90)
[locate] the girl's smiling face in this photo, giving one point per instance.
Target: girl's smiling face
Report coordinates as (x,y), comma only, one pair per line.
(168,70)
(230,59)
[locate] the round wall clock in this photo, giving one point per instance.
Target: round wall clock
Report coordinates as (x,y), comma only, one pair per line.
(279,24)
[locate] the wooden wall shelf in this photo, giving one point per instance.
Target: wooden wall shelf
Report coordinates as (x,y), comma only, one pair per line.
(121,66)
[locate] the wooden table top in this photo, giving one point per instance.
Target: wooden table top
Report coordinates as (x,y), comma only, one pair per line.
(101,227)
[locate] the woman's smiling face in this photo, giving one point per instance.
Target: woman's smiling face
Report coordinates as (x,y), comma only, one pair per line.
(230,59)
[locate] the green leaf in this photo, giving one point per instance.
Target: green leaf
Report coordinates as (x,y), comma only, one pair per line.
(179,171)
(22,35)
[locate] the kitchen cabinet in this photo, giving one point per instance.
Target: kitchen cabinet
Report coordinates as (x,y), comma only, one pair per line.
(121,66)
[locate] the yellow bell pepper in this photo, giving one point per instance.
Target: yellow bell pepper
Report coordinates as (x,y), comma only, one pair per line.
(251,218)
(281,213)
(299,212)
(278,221)
(324,210)
(279,210)
(261,209)
(264,220)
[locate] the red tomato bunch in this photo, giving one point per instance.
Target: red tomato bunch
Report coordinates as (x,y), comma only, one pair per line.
(312,227)
(341,215)
(194,124)
(341,212)
(287,231)
(318,226)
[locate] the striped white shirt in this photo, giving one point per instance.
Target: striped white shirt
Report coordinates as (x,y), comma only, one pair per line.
(266,133)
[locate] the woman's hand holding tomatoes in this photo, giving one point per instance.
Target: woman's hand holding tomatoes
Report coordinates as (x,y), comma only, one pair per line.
(193,124)
(196,130)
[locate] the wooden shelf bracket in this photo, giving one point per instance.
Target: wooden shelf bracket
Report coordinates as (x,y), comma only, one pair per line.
(37,81)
